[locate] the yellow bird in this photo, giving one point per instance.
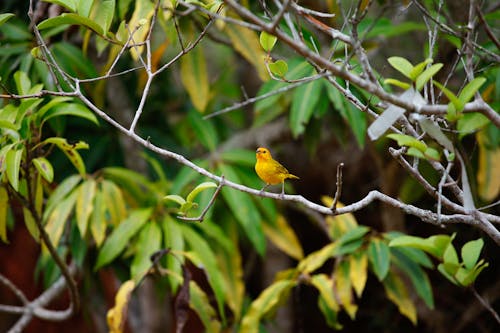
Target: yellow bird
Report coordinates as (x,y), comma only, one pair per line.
(270,170)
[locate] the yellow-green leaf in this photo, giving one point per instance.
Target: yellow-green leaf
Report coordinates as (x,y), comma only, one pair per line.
(194,77)
(267,302)
(316,259)
(70,150)
(30,223)
(343,288)
(396,291)
(113,201)
(401,65)
(85,204)
(358,264)
(98,219)
(267,41)
(278,68)
(340,224)
(200,303)
(246,42)
(325,287)
(13,165)
(4,203)
(58,218)
(488,181)
(397,83)
(140,22)
(149,242)
(283,236)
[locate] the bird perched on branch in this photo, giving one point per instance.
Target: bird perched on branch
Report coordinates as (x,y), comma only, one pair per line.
(270,170)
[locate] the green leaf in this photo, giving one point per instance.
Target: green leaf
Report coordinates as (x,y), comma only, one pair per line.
(64,189)
(471,251)
(85,204)
(423,78)
(68,4)
(98,219)
(104,10)
(267,41)
(241,157)
(199,302)
(205,258)
(408,141)
(278,68)
(267,302)
(149,241)
(419,279)
(353,234)
(173,239)
(45,168)
(397,83)
(401,65)
(244,210)
(194,77)
(69,109)
(379,255)
(415,72)
(459,106)
(305,99)
(471,122)
(72,19)
(434,245)
(202,187)
(470,89)
(23,83)
(205,131)
(120,237)
(175,198)
(13,165)
(5,17)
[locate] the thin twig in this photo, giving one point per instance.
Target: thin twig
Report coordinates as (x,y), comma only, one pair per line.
(338,192)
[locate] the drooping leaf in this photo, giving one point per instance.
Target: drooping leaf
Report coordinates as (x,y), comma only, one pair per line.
(325,287)
(70,150)
(13,166)
(267,302)
(5,17)
(119,238)
(200,304)
(358,271)
(488,181)
(140,23)
(283,236)
(85,204)
(98,219)
(173,239)
(104,11)
(244,210)
(397,292)
(4,204)
(205,258)
(343,288)
(194,77)
(471,122)
(117,315)
(58,218)
(149,241)
(316,259)
(379,255)
(304,102)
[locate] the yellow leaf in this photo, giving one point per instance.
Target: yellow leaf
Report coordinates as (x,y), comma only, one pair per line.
(316,259)
(358,271)
(342,288)
(117,315)
(488,180)
(396,291)
(140,20)
(194,77)
(246,42)
(85,204)
(283,236)
(325,288)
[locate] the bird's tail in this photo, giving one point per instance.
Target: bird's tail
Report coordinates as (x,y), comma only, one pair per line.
(292,176)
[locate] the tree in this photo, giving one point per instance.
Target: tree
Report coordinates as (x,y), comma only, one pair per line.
(198,83)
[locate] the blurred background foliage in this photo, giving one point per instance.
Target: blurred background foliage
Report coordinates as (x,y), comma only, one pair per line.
(257,265)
